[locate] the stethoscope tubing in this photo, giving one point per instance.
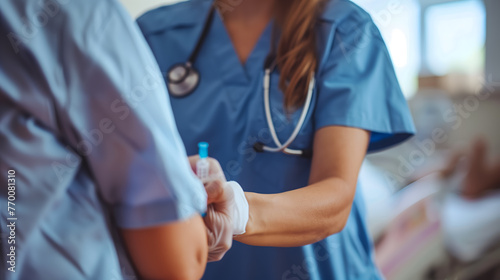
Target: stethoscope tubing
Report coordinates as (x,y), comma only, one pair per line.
(187,83)
(306,108)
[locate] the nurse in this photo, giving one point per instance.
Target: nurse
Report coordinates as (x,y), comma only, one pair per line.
(307,219)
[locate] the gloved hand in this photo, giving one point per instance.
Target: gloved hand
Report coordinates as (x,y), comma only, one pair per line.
(218,219)
(240,209)
(215,171)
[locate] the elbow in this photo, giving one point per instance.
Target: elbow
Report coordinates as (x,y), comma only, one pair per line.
(336,217)
(330,225)
(333,225)
(339,222)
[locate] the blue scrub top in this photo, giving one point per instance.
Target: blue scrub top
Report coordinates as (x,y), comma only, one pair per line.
(86,124)
(356,86)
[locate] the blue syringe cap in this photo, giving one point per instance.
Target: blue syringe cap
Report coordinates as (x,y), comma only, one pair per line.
(203,149)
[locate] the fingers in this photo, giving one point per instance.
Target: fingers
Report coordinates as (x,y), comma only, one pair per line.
(215,171)
(219,233)
(192,161)
(218,220)
(220,195)
(217,254)
(215,191)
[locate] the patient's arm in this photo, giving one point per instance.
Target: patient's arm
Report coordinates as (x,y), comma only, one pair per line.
(171,251)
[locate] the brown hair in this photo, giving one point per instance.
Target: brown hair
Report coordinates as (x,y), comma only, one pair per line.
(296,51)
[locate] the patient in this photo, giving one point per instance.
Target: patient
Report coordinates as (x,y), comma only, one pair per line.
(98,176)
(482,177)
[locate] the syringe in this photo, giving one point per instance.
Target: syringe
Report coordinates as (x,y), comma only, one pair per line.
(203,166)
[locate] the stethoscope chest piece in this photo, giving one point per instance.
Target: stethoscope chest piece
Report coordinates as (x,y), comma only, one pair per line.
(182,79)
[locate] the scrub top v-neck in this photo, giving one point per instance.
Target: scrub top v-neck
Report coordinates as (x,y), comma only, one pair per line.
(228,64)
(356,86)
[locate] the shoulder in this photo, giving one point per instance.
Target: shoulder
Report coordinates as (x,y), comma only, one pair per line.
(171,16)
(347,29)
(345,15)
(342,11)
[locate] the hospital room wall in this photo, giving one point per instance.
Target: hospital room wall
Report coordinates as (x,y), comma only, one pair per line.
(482,120)
(493,41)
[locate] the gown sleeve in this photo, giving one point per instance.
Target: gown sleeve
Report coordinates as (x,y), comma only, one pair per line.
(357,87)
(112,109)
(140,161)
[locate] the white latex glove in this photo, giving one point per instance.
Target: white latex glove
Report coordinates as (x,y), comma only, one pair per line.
(240,209)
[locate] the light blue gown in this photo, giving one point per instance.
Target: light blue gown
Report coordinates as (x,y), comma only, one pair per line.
(86,125)
(356,86)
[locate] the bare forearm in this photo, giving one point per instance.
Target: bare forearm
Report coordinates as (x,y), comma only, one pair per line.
(298,217)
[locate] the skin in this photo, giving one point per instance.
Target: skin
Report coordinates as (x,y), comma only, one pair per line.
(311,213)
(246,23)
(171,251)
(180,250)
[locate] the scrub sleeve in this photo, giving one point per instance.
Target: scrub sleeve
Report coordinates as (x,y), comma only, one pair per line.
(358,87)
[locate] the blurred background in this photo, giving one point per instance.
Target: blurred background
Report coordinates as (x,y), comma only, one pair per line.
(434,202)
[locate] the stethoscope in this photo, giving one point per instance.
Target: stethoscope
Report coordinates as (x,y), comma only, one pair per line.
(183,79)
